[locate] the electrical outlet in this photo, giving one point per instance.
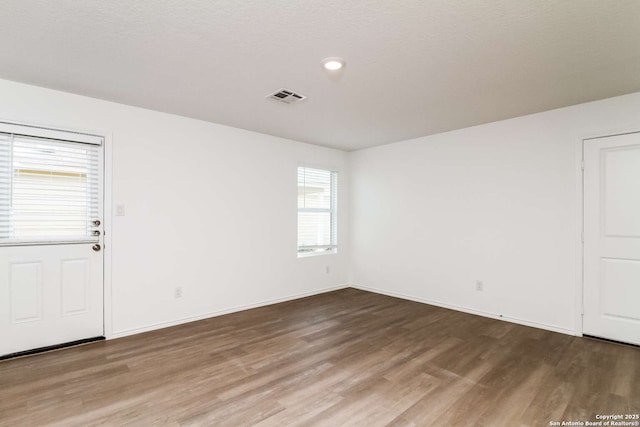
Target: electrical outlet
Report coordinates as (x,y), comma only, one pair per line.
(327,269)
(479,286)
(177,293)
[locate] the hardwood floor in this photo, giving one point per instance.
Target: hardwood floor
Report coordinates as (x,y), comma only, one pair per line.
(343,358)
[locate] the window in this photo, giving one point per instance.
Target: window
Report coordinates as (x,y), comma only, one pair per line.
(317,203)
(49,189)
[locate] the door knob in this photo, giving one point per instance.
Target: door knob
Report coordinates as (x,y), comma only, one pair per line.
(96,247)
(96,222)
(95,232)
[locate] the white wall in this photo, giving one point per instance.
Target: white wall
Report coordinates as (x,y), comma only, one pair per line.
(498,203)
(208,207)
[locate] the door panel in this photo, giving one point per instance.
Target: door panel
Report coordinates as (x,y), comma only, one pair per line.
(618,283)
(53,300)
(612,238)
(75,286)
(25,288)
(620,196)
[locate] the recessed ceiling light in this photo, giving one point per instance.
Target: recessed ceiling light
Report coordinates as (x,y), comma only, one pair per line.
(333,63)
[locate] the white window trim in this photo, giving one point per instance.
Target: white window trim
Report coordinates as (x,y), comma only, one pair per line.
(50,133)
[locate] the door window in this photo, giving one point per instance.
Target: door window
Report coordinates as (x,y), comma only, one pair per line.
(49,189)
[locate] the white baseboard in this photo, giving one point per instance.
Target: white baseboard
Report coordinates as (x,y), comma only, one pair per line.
(160,325)
(469,310)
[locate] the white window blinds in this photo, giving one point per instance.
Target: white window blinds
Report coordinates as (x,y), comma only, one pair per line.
(49,189)
(317,203)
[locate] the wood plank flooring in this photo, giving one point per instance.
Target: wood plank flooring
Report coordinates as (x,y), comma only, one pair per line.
(348,358)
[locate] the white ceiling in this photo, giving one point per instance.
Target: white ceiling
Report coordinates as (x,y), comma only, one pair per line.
(414,67)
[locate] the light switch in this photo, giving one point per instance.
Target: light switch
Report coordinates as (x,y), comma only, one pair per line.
(119,210)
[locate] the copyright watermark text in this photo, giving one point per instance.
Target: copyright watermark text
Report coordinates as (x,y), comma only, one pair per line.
(602,420)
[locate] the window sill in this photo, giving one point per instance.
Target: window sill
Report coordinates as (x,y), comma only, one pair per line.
(314,254)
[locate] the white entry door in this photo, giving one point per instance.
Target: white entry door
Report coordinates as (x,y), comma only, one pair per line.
(51,258)
(612,238)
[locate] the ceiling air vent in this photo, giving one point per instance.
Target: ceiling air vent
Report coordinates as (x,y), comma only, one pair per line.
(287,96)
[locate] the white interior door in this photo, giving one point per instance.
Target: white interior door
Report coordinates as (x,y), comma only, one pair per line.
(612,238)
(51,258)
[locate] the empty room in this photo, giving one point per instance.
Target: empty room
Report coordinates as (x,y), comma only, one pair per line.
(320,213)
